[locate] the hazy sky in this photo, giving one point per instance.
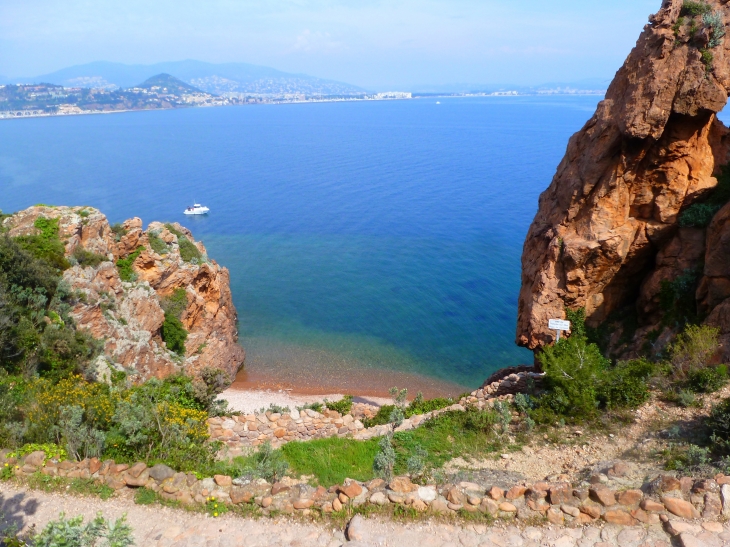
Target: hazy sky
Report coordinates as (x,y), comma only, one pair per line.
(371,43)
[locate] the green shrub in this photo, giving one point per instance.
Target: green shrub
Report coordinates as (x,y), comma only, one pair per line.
(573,371)
(677,297)
(174,231)
(698,215)
(176,303)
(382,417)
(691,8)
(265,463)
(481,421)
(384,461)
(343,406)
(317,407)
(81,439)
(157,244)
(124,265)
(74,533)
(693,349)
(625,385)
(707,380)
(714,21)
(419,405)
(174,334)
(119,231)
(719,426)
(46,245)
(188,250)
(86,258)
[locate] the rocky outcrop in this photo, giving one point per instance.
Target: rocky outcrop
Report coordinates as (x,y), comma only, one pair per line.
(606,234)
(128,315)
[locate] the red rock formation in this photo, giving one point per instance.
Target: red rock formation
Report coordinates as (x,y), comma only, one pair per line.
(605,234)
(128,316)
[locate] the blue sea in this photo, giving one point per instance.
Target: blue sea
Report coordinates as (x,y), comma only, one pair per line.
(369,241)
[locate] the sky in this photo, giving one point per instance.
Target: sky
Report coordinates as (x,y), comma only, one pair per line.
(369,43)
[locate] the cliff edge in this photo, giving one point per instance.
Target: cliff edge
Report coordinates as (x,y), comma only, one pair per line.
(607,235)
(128,278)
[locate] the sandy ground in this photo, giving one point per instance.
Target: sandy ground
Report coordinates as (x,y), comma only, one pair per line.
(248,401)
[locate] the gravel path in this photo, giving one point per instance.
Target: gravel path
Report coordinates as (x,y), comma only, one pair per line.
(156,526)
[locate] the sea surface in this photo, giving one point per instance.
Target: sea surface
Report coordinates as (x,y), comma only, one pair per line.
(369,243)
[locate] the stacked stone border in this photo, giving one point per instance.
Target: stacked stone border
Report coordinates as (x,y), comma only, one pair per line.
(245,431)
(685,507)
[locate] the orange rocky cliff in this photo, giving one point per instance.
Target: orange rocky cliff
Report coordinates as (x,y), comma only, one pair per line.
(128,315)
(606,236)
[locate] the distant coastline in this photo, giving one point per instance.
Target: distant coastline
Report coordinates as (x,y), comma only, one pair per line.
(233,100)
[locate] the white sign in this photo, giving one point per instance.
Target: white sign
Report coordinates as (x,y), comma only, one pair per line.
(558,324)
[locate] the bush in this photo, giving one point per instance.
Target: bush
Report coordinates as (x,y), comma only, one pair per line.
(188,250)
(124,265)
(692,8)
(266,463)
(176,303)
(693,349)
(707,380)
(174,231)
(174,334)
(719,426)
(119,231)
(46,245)
(698,215)
(74,533)
(343,406)
(625,385)
(86,258)
(573,371)
(419,405)
(317,407)
(385,459)
(157,244)
(677,297)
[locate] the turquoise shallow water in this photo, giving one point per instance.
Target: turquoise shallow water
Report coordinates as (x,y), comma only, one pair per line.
(373,236)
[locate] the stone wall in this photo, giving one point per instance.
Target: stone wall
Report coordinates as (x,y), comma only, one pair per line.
(684,506)
(240,433)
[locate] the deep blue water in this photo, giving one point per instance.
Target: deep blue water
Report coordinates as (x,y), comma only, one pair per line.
(384,235)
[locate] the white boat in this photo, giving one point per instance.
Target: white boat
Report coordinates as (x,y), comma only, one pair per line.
(196,209)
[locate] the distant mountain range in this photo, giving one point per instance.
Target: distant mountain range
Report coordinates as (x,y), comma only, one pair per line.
(209,77)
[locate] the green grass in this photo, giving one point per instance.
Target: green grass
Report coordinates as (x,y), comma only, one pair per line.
(449,435)
(332,460)
(79,487)
(145,496)
(445,437)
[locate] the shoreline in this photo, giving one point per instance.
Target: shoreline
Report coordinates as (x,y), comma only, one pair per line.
(256,389)
(4,116)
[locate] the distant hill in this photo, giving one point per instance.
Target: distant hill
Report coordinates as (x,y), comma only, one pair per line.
(169,83)
(213,78)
